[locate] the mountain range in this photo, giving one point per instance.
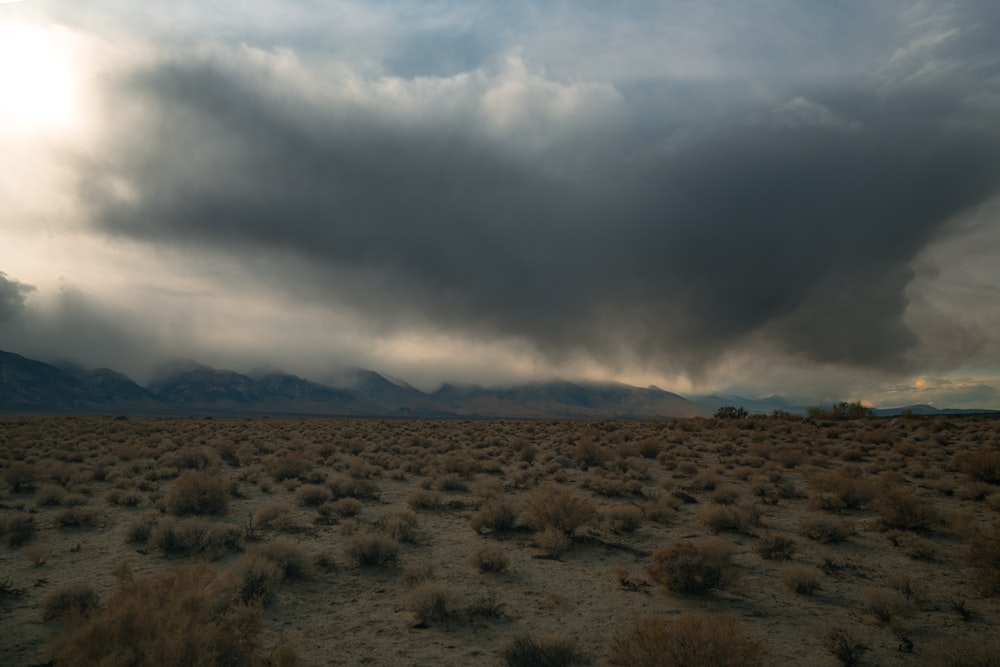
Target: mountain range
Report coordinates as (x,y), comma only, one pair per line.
(28,386)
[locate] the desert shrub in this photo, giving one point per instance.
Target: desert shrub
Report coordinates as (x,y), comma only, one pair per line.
(73,599)
(487,604)
(587,453)
(49,494)
(417,573)
(494,515)
(171,618)
(840,490)
(139,531)
(776,547)
(344,486)
(76,516)
(123,497)
(431,602)
(800,579)
(20,476)
(312,495)
(526,651)
(73,500)
(402,526)
(737,518)
(250,580)
(623,518)
(662,509)
(613,487)
(693,640)
(342,507)
(552,541)
(906,512)
(983,466)
(692,567)
(451,482)
(886,604)
(290,558)
(190,458)
(490,558)
(842,644)
(372,549)
(194,536)
(198,492)
(287,465)
(275,515)
(725,495)
(826,531)
(551,506)
(423,499)
(17,530)
(983,551)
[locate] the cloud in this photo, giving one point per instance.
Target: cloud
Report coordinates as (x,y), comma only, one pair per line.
(12,297)
(502,203)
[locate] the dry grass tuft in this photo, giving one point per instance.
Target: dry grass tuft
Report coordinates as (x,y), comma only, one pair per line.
(526,651)
(693,640)
(693,567)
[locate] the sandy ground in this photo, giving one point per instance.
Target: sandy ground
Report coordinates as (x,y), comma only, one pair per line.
(345,614)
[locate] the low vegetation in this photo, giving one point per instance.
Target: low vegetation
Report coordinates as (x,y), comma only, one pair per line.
(736,540)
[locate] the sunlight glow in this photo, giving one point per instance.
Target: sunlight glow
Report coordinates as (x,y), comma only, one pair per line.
(39,87)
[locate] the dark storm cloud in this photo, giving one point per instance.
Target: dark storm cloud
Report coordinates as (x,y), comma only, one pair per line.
(618,236)
(12,297)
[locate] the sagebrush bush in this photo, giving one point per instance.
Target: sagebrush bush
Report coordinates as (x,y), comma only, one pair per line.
(551,651)
(800,579)
(372,549)
(692,567)
(885,604)
(401,526)
(982,550)
(431,602)
(552,506)
(842,489)
(198,492)
(73,599)
(422,499)
(312,495)
(17,530)
(742,518)
(194,536)
(623,518)
(494,515)
(490,558)
(48,495)
(843,645)
(20,476)
(250,580)
(172,618)
(552,541)
(983,466)
(77,516)
(693,640)
(906,512)
(291,558)
(776,547)
(826,531)
(275,515)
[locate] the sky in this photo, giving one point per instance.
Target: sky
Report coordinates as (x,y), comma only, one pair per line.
(778,197)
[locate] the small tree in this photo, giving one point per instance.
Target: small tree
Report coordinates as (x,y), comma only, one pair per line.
(731,412)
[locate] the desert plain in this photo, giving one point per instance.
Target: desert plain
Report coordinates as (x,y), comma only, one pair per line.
(269,541)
